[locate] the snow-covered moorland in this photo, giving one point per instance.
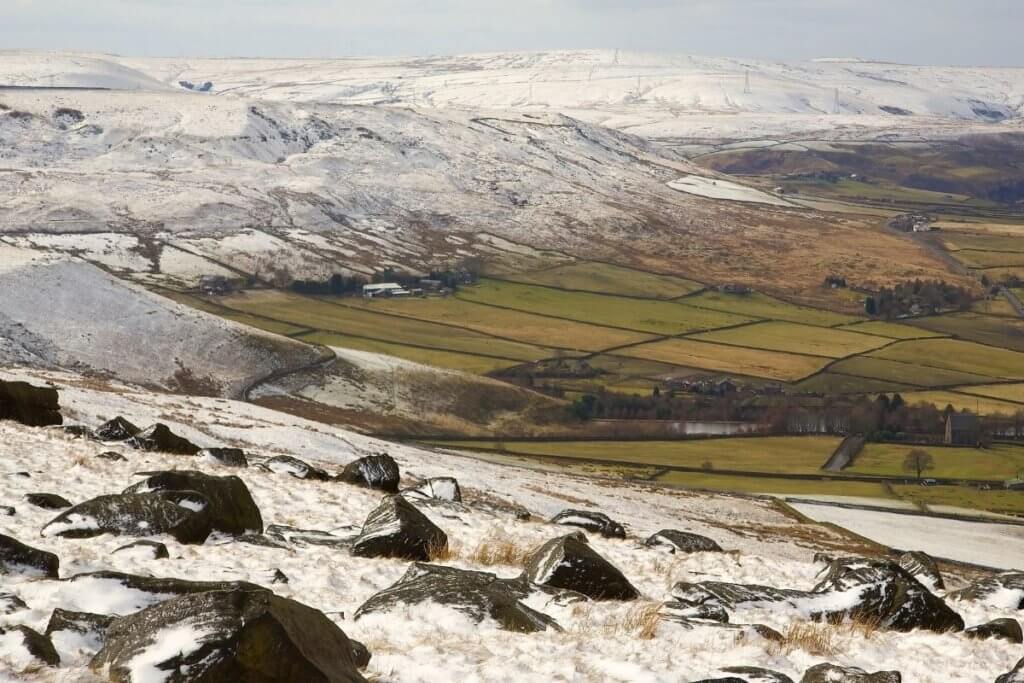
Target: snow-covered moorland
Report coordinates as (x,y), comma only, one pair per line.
(488,531)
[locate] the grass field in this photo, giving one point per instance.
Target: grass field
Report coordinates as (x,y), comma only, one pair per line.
(754,362)
(758,305)
(905,372)
(795,338)
(239,317)
(882,328)
(479,365)
(605,278)
(987,329)
(833,383)
(989,259)
(998,463)
(500,322)
(660,317)
(347,321)
(997,306)
(977,404)
(1009,392)
(777,454)
(984,242)
(780,487)
(1010,502)
(960,356)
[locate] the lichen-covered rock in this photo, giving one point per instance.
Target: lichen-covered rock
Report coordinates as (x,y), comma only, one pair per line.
(18,558)
(159,437)
(597,522)
(674,610)
(286,464)
(47,501)
(116,429)
(681,541)
(570,563)
(231,506)
(153,550)
(182,516)
(373,471)
(477,594)
(79,622)
(35,644)
(730,595)
(436,488)
(151,589)
(231,457)
(30,405)
(292,535)
(923,568)
(233,635)
(1000,629)
(1002,590)
(395,528)
(830,673)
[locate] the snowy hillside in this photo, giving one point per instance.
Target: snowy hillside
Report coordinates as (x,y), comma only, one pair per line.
(307,557)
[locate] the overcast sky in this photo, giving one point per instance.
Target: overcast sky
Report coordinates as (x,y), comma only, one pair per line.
(916,31)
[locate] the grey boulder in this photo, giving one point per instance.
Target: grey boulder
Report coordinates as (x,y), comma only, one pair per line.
(395,528)
(569,563)
(184,516)
(18,558)
(231,506)
(373,471)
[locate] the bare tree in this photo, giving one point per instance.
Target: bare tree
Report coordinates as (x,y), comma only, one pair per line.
(918,461)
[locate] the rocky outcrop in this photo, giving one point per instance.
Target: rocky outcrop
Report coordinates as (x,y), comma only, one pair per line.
(1001,590)
(285,464)
(730,595)
(159,437)
(229,457)
(18,558)
(47,501)
(233,635)
(294,536)
(157,587)
(397,529)
(830,673)
(30,405)
(231,506)
(680,541)
(755,674)
(1015,675)
(34,643)
(596,522)
(116,429)
(923,568)
(570,563)
(437,488)
(1000,629)
(182,516)
(373,471)
(477,594)
(82,623)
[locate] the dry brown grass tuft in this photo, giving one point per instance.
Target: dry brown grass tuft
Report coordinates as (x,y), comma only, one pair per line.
(443,552)
(824,640)
(642,620)
(639,621)
(499,549)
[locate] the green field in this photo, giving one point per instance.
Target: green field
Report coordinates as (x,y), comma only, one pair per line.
(989,259)
(754,362)
(778,487)
(776,455)
(660,317)
(762,306)
(997,306)
(959,356)
(605,278)
(987,329)
(983,242)
(891,330)
(995,500)
(834,383)
(1009,392)
(960,401)
(905,372)
(997,463)
(464,362)
(795,338)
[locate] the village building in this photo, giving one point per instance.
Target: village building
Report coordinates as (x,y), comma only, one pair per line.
(962,429)
(384,289)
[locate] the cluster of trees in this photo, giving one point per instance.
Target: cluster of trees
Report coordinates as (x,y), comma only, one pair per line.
(920,297)
(336,285)
(466,272)
(658,406)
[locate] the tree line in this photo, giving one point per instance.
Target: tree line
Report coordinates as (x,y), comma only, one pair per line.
(920,297)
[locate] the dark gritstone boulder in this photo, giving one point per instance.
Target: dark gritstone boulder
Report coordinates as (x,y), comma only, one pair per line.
(397,529)
(597,522)
(477,594)
(16,557)
(37,645)
(729,595)
(159,437)
(240,635)
(47,501)
(360,654)
(232,457)
(1016,675)
(231,510)
(755,674)
(154,549)
(672,541)
(285,464)
(117,429)
(79,622)
(571,564)
(7,511)
(30,405)
(1001,629)
(287,534)
(156,586)
(1000,589)
(374,471)
(184,516)
(11,603)
(923,568)
(679,611)
(112,456)
(437,488)
(830,673)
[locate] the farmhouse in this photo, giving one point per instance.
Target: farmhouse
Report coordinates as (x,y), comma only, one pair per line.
(384,289)
(962,429)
